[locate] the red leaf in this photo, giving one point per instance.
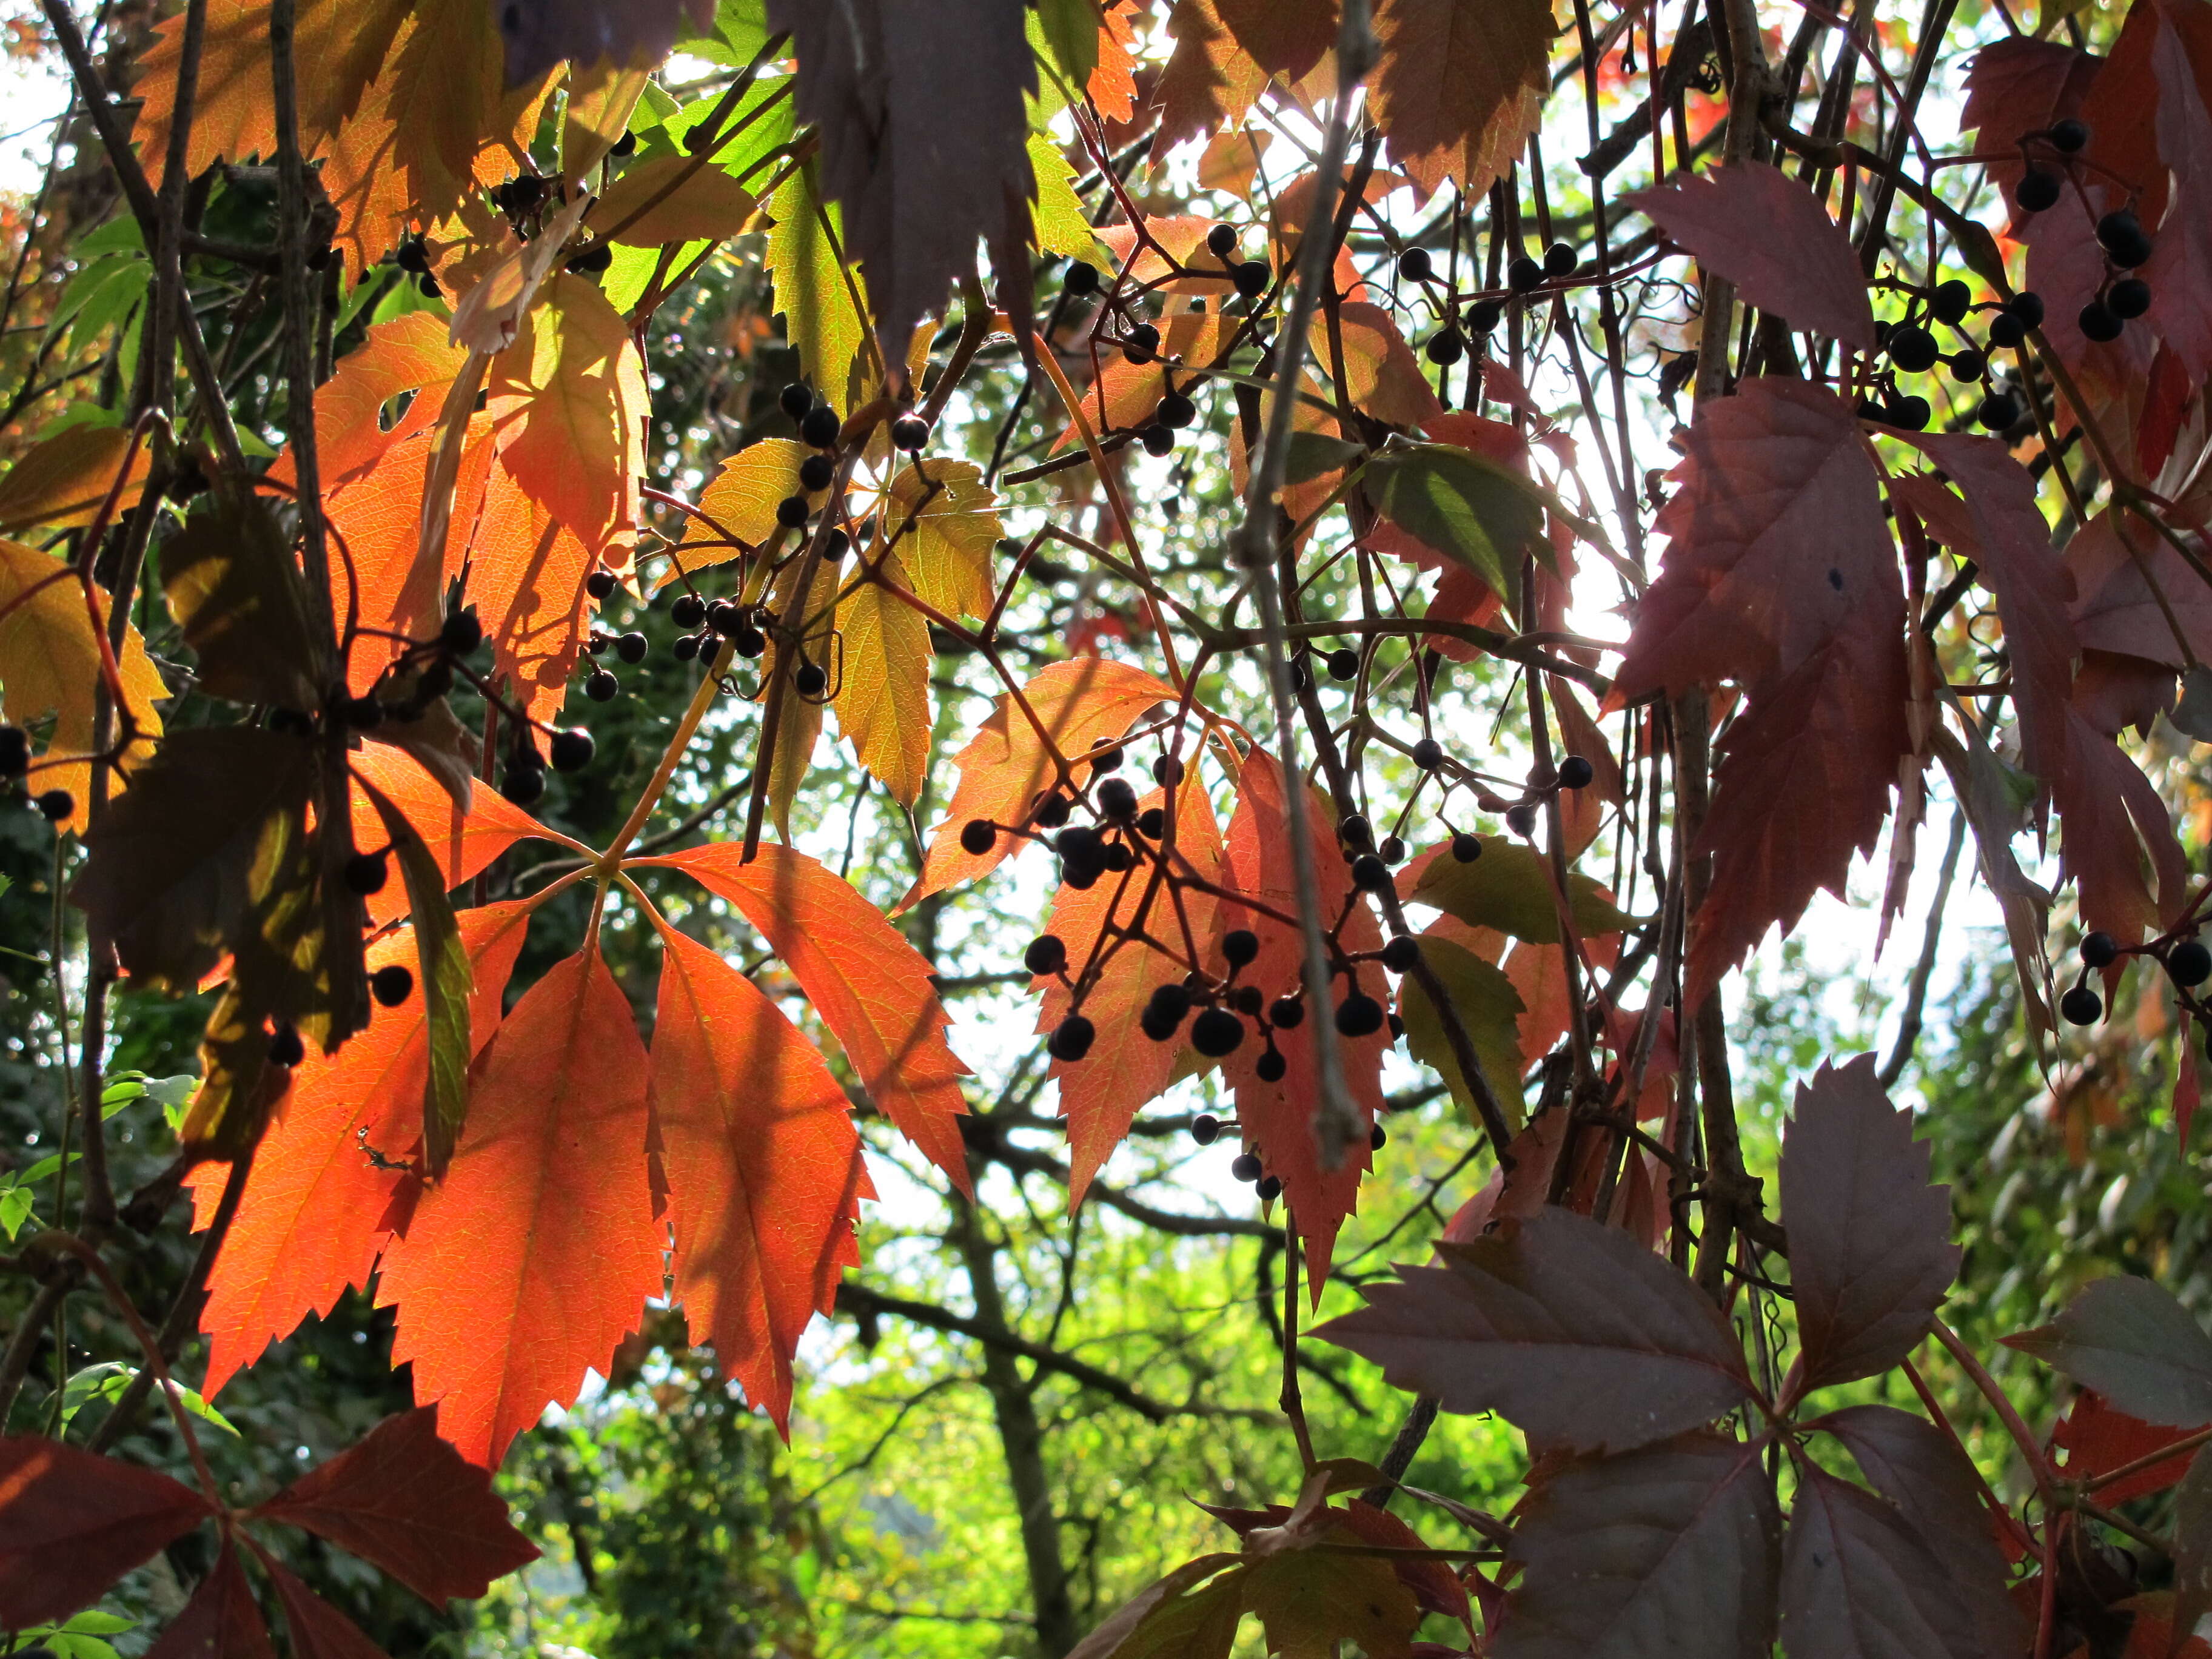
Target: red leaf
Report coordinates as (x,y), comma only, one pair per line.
(219,1621)
(1921,1469)
(2114,608)
(314,1214)
(1278,1117)
(2180,269)
(527,576)
(1208,81)
(315,1628)
(1871,1244)
(2111,815)
(524,1268)
(2012,545)
(871,986)
(409,353)
(1671,1552)
(404,1500)
(1284,37)
(1856,1579)
(1573,1332)
(1759,226)
(1778,546)
(2098,1438)
(71,1523)
(1804,784)
(763,1163)
(1101,1094)
(2017,86)
(1007,765)
(463,844)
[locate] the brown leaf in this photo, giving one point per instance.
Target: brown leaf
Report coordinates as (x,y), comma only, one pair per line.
(920,176)
(1670,1552)
(1459,87)
(72,1522)
(62,480)
(1284,37)
(1870,1250)
(1209,79)
(1569,1330)
(236,590)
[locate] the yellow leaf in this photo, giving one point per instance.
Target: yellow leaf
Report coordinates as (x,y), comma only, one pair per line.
(954,529)
(49,663)
(61,482)
(601,96)
(800,720)
(741,501)
(883,703)
(814,290)
(570,398)
(671,199)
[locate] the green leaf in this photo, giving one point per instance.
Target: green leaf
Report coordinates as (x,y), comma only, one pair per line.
(443,968)
(1071,34)
(1509,888)
(105,1384)
(1488,1006)
(78,1638)
(15,1209)
(44,1170)
(1313,454)
(1467,508)
(1062,225)
(810,286)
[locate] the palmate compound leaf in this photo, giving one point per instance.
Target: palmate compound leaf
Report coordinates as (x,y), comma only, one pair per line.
(1569,1330)
(1921,1470)
(815,290)
(1101,1094)
(403,1499)
(1209,79)
(870,986)
(1858,1579)
(1007,766)
(2132,1342)
(883,699)
(318,1209)
(1761,228)
(763,1166)
(1870,1252)
(920,178)
(50,665)
(533,1258)
(72,1522)
(1278,1117)
(1669,1552)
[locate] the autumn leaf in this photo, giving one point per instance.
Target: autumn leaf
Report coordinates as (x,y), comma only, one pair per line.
(2179,270)
(1208,80)
(1126,394)
(1767,233)
(72,1522)
(920,178)
(1675,1550)
(410,353)
(883,703)
(569,399)
(814,290)
(1510,888)
(235,589)
(1462,506)
(2132,1342)
(315,1213)
(1487,1004)
(763,1167)
(61,482)
(1870,1239)
(523,1268)
(316,1629)
(2113,821)
(463,844)
(403,1499)
(871,986)
(1854,1575)
(1459,88)
(1101,1094)
(1776,543)
(1921,1470)
(527,576)
(1007,765)
(2019,85)
(50,661)
(456,122)
(2098,1440)
(221,1621)
(943,522)
(671,199)
(1277,1116)
(1572,1331)
(640,32)
(1284,37)
(738,504)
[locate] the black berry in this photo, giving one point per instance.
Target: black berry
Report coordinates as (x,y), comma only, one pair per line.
(2069,135)
(1270,1066)
(1151,823)
(1414,265)
(600,685)
(2098,323)
(1239,947)
(525,786)
(689,610)
(1949,302)
(749,641)
(1400,953)
(1522,819)
(1466,847)
(1270,1188)
(1286,1013)
(815,473)
(1158,440)
(2100,950)
(1247,1167)
(1428,754)
(809,679)
(461,633)
(1343,664)
(978,836)
(1482,316)
(2027,305)
(630,647)
(1117,799)
(796,400)
(910,432)
(1371,873)
(1575,773)
(1353,829)
(1252,278)
(1051,811)
(2007,330)
(1912,349)
(600,584)
(1167,769)
(592,260)
(1221,240)
(821,426)
(791,512)
(1071,1039)
(2081,1006)
(285,1047)
(1216,1032)
(1175,410)
(2124,238)
(1967,365)
(56,805)
(2129,298)
(15,751)
(1523,274)
(2037,192)
(1911,413)
(1141,343)
(1359,1015)
(1205,1128)
(366,872)
(390,985)
(2189,962)
(1080,278)
(1559,260)
(1445,347)
(572,749)
(1046,954)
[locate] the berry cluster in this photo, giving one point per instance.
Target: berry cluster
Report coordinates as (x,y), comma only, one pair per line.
(1524,274)
(2187,962)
